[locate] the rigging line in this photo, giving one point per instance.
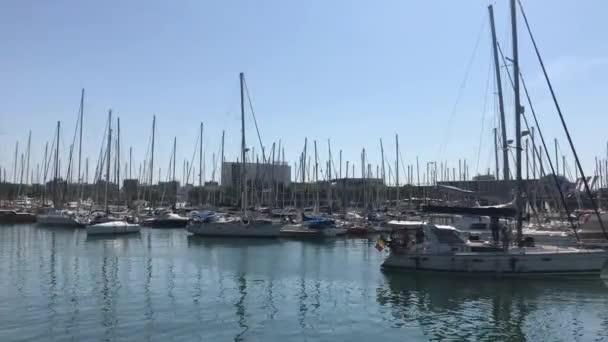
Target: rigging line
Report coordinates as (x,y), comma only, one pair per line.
(215,164)
(483,115)
(563,122)
(69,171)
(576,192)
(542,137)
(47,163)
(148,151)
(402,166)
(192,160)
(462,87)
(101,159)
(255,121)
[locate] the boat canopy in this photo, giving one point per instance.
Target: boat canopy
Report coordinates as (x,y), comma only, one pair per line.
(485,211)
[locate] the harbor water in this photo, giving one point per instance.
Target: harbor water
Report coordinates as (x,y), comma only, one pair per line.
(164,285)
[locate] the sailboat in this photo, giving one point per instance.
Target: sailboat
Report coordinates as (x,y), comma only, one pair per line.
(108,224)
(244,226)
(56,216)
(168,219)
(422,246)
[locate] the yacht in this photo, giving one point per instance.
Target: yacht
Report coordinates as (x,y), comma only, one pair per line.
(166,220)
(236,226)
(420,246)
(113,228)
(14,216)
(60,218)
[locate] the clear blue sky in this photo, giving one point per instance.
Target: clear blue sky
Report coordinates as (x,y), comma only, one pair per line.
(352,71)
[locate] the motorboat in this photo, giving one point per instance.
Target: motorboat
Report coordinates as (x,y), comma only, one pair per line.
(113,228)
(60,218)
(420,246)
(236,226)
(14,216)
(166,220)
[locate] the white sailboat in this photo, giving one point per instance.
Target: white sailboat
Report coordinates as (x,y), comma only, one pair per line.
(111,226)
(431,247)
(58,217)
(239,226)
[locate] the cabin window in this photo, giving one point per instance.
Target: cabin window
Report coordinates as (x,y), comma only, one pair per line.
(448,236)
(478,226)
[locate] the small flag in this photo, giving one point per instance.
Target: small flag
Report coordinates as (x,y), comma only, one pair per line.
(380,244)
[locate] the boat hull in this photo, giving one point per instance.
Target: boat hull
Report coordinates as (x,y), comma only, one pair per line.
(165,223)
(113,228)
(58,221)
(236,228)
(15,218)
(587,262)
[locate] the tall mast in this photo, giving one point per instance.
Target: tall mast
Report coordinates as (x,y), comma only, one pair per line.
(200,158)
(496,152)
(304,160)
(397,165)
(27,170)
(382,174)
(340,170)
(534,154)
(151,169)
(501,106)
(174,147)
(15,163)
(174,184)
(329,176)
(44,170)
(222,156)
(519,190)
(329,165)
(118,156)
(243,173)
(316,179)
(130,162)
(56,165)
(222,167)
(200,167)
(80,144)
(109,151)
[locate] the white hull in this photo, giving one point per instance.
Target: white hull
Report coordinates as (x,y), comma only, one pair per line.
(58,220)
(236,228)
(518,261)
(540,237)
(112,228)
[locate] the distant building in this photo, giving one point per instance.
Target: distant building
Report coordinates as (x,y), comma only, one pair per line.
(266,173)
(129,187)
(487,177)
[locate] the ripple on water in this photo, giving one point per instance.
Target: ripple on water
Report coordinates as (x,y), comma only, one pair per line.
(166,285)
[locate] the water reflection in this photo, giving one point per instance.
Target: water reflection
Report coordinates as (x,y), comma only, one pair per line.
(113,238)
(467,308)
(164,285)
(217,241)
(240,307)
